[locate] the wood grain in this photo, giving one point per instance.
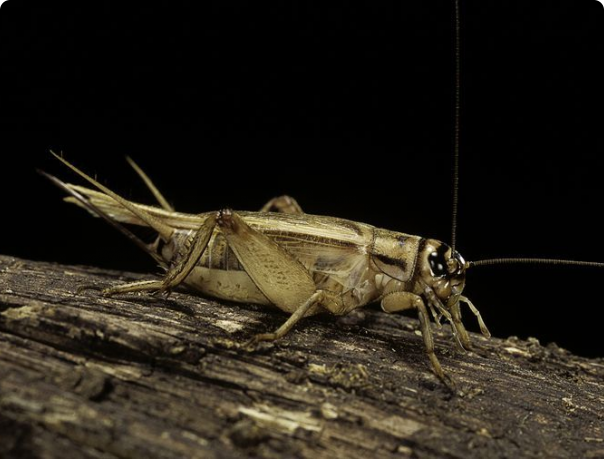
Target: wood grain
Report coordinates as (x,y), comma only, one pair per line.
(140,376)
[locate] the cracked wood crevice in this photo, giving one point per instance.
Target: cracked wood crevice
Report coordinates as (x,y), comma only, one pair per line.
(137,376)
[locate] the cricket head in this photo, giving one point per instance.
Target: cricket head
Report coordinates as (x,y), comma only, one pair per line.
(443,271)
(429,268)
(438,276)
(442,277)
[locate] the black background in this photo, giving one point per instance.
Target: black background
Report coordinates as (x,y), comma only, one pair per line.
(346,107)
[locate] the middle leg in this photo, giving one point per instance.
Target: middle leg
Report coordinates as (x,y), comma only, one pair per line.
(278,275)
(284,204)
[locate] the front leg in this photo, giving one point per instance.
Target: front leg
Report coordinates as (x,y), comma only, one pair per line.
(400,301)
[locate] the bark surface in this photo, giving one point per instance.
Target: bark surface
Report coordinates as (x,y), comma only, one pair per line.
(140,376)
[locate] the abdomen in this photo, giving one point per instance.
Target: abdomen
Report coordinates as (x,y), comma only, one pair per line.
(334,251)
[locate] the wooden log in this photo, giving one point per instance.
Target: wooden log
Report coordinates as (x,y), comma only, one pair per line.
(140,376)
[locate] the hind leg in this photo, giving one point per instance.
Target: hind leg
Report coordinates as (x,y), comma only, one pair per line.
(192,249)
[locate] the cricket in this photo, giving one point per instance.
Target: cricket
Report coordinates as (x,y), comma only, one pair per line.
(302,264)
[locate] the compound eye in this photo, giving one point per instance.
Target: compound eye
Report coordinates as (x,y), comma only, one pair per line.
(438,265)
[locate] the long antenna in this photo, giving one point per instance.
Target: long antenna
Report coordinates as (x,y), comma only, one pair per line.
(457,103)
(490,261)
(534,261)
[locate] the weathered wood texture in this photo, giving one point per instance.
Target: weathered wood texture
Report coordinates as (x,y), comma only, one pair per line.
(138,376)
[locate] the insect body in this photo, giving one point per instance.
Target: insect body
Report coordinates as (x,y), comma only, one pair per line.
(302,264)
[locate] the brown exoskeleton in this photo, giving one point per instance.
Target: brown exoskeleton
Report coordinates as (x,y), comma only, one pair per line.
(303,264)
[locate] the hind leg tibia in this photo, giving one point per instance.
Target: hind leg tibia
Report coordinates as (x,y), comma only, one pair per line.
(191,251)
